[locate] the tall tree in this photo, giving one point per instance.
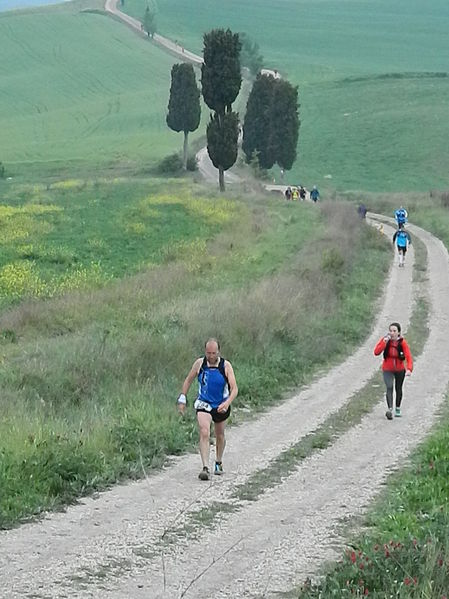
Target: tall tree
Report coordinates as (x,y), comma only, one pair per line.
(285,123)
(149,20)
(184,110)
(271,126)
(221,80)
(250,56)
(257,130)
(222,137)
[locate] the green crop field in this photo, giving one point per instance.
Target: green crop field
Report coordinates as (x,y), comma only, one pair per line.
(373,79)
(80,90)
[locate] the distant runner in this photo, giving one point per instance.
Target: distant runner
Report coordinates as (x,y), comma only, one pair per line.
(401,216)
(362,210)
(217,390)
(395,351)
(402,239)
(314,194)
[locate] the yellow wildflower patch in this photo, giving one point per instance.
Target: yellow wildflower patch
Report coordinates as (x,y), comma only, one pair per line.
(17,223)
(18,279)
(212,211)
(81,278)
(135,228)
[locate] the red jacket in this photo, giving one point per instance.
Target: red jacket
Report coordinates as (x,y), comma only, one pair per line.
(392,363)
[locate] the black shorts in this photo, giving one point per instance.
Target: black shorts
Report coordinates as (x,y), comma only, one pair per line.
(216,415)
(402,249)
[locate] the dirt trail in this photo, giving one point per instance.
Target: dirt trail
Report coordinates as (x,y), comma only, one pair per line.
(175,48)
(112,547)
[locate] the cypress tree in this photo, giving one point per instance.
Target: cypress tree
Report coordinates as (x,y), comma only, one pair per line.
(221,80)
(149,21)
(257,129)
(285,123)
(271,126)
(184,110)
(222,138)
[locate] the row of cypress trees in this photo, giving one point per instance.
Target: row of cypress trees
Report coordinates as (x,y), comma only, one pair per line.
(271,125)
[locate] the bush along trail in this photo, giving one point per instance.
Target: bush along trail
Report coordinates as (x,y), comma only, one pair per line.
(160,537)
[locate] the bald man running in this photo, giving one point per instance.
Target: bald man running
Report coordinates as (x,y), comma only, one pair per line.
(217,390)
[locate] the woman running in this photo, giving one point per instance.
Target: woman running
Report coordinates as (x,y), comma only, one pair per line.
(395,351)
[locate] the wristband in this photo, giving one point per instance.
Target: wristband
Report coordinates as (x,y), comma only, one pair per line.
(182,399)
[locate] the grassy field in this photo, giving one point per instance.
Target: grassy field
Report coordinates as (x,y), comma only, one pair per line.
(373,98)
(80,91)
(76,234)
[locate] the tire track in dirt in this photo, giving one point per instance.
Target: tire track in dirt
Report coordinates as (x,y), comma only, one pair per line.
(115,534)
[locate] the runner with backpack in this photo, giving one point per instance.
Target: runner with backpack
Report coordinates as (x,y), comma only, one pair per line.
(402,239)
(401,216)
(217,390)
(395,352)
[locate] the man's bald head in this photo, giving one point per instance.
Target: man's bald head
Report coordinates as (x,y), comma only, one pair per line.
(212,350)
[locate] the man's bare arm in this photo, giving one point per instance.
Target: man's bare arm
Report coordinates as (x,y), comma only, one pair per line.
(186,384)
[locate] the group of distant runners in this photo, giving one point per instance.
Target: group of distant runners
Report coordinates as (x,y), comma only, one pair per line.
(217,386)
(298,192)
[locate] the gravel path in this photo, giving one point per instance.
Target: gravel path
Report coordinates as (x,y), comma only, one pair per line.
(110,6)
(111,546)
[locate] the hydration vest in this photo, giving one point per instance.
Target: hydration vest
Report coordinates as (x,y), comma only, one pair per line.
(399,348)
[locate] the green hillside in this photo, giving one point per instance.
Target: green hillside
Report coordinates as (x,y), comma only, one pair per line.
(80,88)
(374,105)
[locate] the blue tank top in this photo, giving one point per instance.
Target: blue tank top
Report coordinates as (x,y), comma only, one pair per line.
(213,387)
(401,239)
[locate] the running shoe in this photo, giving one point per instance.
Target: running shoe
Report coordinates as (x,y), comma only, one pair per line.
(218,468)
(397,412)
(204,474)
(389,414)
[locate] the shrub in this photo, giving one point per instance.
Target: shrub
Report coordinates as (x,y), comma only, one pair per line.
(170,165)
(192,163)
(445,199)
(2,170)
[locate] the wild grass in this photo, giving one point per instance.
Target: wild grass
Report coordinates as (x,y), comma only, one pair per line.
(92,402)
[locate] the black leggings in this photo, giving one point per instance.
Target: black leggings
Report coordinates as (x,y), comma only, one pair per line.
(398,379)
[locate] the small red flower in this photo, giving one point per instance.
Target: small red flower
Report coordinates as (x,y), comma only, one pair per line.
(440,562)
(376,547)
(407,581)
(415,580)
(361,566)
(387,553)
(353,557)
(366,592)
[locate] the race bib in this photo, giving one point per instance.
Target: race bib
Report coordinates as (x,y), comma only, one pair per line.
(202,405)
